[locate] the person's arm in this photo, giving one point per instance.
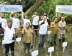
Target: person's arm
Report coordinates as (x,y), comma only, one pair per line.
(38,19)
(65,25)
(33,16)
(59,25)
(23,31)
(52,25)
(6,23)
(22,16)
(32,30)
(40,23)
(11,16)
(41,17)
(14,33)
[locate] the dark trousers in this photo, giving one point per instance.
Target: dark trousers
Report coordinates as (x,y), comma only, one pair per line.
(42,40)
(11,46)
(27,46)
(35,27)
(53,39)
(62,38)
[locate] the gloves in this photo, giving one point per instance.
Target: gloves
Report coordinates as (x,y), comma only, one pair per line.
(42,22)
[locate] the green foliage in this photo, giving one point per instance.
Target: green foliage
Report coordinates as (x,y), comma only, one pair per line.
(49,7)
(7,16)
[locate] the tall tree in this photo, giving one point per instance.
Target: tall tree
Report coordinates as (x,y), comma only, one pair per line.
(34,7)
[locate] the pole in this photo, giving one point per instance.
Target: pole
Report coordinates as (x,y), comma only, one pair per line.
(50,54)
(63,49)
(56,14)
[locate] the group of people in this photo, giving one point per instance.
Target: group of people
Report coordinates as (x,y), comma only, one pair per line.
(9,29)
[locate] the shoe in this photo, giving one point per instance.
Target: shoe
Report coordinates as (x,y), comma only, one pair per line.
(54,42)
(6,54)
(51,44)
(12,53)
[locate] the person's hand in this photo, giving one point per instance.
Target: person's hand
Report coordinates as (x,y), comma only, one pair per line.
(60,28)
(34,16)
(12,13)
(18,29)
(23,13)
(32,27)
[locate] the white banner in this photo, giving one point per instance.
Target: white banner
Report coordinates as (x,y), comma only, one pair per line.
(10,8)
(64,9)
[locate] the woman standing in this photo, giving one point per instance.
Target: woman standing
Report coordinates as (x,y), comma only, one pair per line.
(27,38)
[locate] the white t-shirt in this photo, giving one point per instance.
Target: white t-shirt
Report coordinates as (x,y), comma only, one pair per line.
(25,21)
(35,20)
(62,24)
(8,35)
(15,22)
(43,27)
(4,22)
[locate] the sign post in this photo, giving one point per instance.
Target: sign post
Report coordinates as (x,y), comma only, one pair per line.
(64,45)
(18,40)
(34,53)
(11,8)
(50,50)
(64,9)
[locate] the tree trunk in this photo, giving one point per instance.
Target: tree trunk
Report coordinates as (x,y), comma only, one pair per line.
(34,7)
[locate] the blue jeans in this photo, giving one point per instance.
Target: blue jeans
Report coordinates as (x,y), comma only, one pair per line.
(42,40)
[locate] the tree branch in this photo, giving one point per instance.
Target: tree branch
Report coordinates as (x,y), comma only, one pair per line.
(34,7)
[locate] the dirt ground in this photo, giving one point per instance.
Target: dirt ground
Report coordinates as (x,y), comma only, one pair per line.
(19,51)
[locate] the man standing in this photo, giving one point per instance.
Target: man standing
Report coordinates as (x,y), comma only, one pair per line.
(42,31)
(54,31)
(48,20)
(25,20)
(62,27)
(9,34)
(35,21)
(3,21)
(15,23)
